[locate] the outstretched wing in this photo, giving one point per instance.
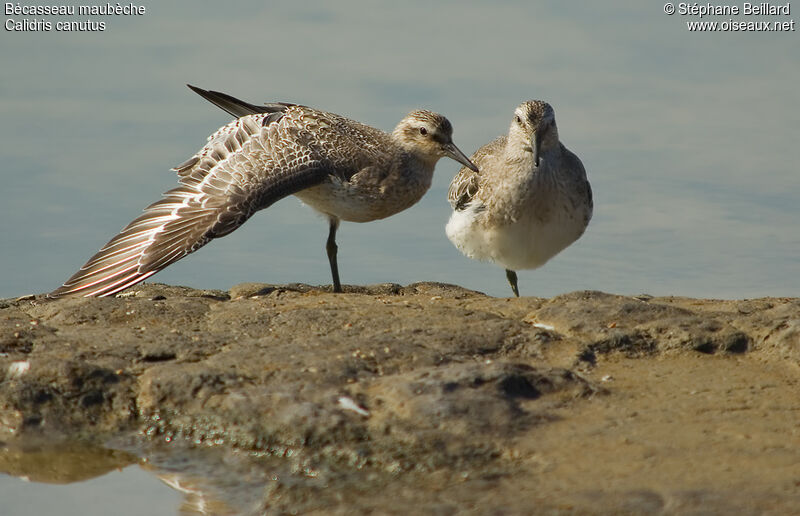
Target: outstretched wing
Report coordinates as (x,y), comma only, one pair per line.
(245,166)
(467,182)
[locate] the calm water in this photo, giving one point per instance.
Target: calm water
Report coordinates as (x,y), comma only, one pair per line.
(68,478)
(690,139)
(127,492)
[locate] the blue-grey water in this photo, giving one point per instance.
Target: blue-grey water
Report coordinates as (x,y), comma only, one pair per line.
(128,492)
(690,139)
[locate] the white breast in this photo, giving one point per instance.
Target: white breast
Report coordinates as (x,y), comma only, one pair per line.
(526,243)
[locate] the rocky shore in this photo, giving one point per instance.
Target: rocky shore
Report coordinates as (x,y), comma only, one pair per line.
(429,396)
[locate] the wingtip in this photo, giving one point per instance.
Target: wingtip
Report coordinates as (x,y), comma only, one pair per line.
(53,295)
(62,292)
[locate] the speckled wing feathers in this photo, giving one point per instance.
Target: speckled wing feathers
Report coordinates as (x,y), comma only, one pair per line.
(243,168)
(268,152)
(583,198)
(466,184)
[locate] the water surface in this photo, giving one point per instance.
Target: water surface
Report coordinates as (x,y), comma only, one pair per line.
(689,139)
(75,479)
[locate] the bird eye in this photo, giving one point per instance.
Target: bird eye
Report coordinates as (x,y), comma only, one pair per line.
(519,120)
(423,131)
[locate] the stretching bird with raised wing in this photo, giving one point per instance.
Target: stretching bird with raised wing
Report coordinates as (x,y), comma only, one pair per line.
(343,169)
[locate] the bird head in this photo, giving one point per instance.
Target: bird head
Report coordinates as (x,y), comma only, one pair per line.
(534,126)
(431,135)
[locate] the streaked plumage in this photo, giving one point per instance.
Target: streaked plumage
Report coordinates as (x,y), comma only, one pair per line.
(530,200)
(344,169)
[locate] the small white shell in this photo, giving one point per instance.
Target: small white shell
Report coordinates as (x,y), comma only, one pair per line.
(18,368)
(347,403)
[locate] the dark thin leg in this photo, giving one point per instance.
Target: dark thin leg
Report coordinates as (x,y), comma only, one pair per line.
(512,280)
(332,248)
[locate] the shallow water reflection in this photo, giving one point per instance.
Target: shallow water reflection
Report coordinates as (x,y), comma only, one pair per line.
(62,463)
(78,479)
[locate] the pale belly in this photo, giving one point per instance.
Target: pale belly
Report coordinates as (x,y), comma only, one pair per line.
(524,244)
(353,204)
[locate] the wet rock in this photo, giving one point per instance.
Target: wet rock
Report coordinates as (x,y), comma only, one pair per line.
(442,387)
(67,397)
(173,352)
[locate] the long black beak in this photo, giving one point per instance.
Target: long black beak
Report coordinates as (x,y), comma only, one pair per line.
(537,143)
(451,151)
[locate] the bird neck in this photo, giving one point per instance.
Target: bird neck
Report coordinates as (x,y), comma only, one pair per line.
(519,156)
(412,158)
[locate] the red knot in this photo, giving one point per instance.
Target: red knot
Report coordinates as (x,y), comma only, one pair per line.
(530,200)
(342,168)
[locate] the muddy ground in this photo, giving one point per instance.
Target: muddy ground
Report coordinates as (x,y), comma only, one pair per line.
(427,398)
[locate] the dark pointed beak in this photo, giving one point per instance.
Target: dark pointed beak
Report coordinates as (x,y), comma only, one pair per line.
(536,144)
(451,151)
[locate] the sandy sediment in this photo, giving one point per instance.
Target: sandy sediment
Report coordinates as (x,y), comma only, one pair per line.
(428,395)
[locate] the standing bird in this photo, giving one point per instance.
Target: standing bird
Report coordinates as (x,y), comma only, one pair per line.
(343,169)
(530,200)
